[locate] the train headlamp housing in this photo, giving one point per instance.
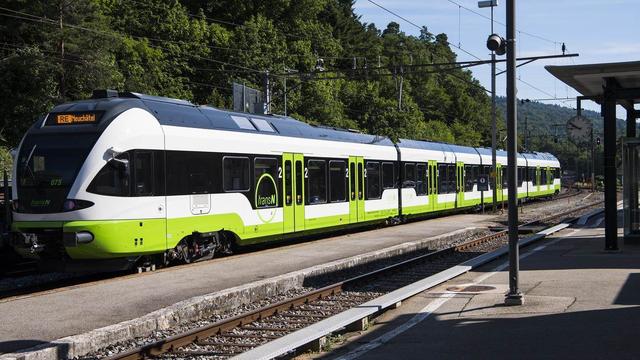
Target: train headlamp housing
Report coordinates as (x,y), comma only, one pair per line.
(73,205)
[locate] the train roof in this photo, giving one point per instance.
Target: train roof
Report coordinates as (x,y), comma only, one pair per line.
(177,112)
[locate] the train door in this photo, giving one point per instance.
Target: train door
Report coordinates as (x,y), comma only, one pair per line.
(355,176)
(537,179)
(432,189)
(288,211)
(498,176)
(298,191)
(149,233)
(460,184)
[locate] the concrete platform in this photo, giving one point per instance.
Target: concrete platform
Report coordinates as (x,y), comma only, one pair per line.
(41,318)
(580,303)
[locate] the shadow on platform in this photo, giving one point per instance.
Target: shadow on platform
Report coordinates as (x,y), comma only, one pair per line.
(596,334)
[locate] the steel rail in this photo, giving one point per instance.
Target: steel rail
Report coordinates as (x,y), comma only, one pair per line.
(173,343)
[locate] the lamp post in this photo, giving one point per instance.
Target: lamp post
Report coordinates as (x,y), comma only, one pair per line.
(491,4)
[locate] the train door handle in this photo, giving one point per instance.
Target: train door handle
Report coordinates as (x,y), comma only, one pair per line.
(160,207)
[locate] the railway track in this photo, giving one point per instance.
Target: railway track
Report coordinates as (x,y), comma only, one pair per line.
(234,336)
(24,278)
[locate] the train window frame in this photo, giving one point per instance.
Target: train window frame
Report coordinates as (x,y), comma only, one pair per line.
(471,173)
(243,123)
(521,171)
(368,181)
(299,181)
(452,169)
(262,125)
(352,180)
(288,182)
(406,182)
(116,166)
(341,177)
(531,175)
(393,175)
(505,177)
(422,179)
(224,174)
(309,179)
(442,178)
(360,180)
(150,173)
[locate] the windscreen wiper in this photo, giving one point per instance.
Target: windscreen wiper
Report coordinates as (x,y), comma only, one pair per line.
(26,163)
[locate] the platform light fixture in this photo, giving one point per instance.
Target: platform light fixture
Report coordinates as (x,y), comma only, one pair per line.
(497,43)
(487,3)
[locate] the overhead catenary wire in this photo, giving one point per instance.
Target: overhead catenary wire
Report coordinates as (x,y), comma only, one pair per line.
(458,47)
(503,24)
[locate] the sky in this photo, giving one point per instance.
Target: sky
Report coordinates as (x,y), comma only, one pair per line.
(599,30)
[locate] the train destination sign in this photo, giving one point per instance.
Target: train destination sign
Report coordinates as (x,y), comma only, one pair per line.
(73,118)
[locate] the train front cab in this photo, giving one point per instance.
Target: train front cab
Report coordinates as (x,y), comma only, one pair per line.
(66,210)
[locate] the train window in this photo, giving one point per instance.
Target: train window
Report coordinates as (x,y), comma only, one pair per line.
(505,177)
(373,179)
(531,175)
(409,176)
(158,167)
(453,177)
(521,175)
(189,172)
(543,176)
(298,182)
(143,173)
(287,182)
(388,176)
(265,172)
(316,182)
(112,179)
(360,181)
(262,125)
(337,180)
(243,122)
(421,179)
(352,180)
(235,171)
(471,173)
(443,179)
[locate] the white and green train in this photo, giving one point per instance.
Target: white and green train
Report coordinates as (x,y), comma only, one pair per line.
(125,177)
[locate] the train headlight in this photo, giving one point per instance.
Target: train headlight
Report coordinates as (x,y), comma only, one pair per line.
(73,204)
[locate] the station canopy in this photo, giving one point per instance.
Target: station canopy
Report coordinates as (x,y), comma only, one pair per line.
(589,79)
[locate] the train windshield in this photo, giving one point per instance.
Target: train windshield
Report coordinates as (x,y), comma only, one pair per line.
(47,166)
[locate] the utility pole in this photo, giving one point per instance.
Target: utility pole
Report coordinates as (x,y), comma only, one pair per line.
(526,135)
(61,87)
(514,297)
(400,92)
(494,170)
(267,93)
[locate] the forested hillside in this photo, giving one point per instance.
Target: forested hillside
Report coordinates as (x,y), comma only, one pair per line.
(61,50)
(340,71)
